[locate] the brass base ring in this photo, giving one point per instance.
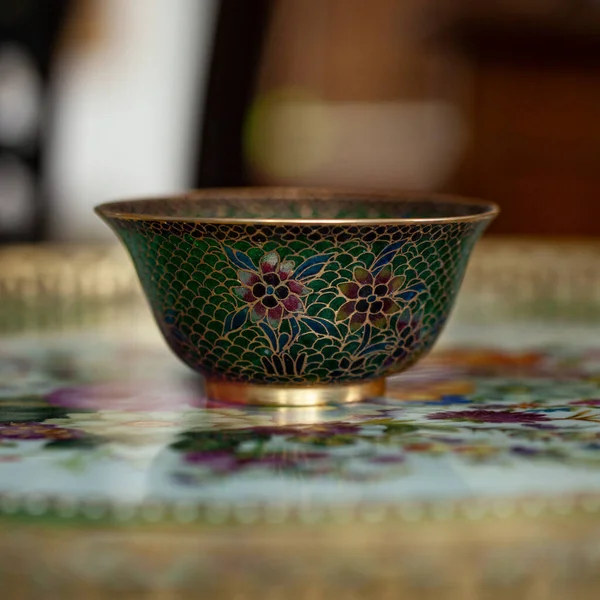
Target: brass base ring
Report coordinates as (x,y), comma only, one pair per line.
(293,395)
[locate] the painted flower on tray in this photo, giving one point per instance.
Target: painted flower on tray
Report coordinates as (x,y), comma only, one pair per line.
(231,461)
(489,416)
(590,402)
(36,431)
(217,460)
(130,427)
(126,396)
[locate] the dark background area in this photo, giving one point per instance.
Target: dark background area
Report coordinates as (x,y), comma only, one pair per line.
(496,100)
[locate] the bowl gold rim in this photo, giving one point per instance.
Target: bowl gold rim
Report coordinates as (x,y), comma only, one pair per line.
(115,209)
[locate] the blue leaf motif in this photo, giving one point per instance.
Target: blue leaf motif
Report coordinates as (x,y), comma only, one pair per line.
(270,334)
(310,267)
(170,317)
(234,321)
(266,364)
(407,295)
(411,292)
(365,339)
(288,364)
(284,338)
(405,316)
(295,327)
(321,326)
(387,255)
(300,363)
(239,259)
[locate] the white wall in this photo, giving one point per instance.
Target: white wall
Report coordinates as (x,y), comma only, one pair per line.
(126,114)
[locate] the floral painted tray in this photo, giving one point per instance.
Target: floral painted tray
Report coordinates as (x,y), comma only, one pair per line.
(104,436)
(100,421)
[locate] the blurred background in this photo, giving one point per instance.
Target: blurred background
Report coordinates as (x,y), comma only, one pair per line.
(101,99)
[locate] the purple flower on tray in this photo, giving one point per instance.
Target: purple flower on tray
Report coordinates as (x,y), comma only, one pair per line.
(489,416)
(217,460)
(222,461)
(590,402)
(36,431)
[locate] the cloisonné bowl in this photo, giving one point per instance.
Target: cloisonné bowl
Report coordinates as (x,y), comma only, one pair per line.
(289,296)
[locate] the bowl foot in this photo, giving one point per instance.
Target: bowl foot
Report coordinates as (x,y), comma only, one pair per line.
(293,395)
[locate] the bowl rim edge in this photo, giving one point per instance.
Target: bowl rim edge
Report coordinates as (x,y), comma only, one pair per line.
(114,209)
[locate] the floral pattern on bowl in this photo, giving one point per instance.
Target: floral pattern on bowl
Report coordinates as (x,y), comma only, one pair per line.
(248,300)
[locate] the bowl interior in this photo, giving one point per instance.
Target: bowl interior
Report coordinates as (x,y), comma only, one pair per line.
(259,205)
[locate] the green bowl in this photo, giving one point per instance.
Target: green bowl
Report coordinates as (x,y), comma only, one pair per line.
(299,296)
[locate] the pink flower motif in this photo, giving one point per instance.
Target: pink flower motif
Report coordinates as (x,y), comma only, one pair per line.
(272,291)
(591,402)
(370,299)
(219,460)
(10,458)
(125,396)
